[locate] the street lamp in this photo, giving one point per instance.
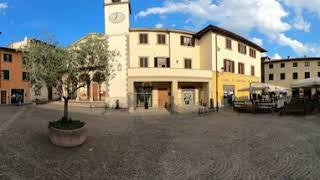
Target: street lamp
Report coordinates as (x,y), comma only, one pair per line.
(217,84)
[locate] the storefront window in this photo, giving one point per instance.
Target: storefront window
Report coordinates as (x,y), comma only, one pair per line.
(188,97)
(144,95)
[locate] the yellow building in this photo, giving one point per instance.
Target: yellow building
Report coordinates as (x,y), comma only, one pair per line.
(165,68)
(284,72)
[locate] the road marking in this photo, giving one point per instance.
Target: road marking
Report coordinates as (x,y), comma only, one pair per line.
(7,123)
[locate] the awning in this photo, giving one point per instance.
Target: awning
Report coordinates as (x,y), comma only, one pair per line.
(267,87)
(306,83)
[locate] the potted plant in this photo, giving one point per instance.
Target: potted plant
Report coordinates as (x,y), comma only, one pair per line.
(67,70)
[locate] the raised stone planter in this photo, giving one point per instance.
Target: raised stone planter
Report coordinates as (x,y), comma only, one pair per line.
(68,138)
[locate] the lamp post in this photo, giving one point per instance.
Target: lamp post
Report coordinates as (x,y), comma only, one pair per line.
(217,72)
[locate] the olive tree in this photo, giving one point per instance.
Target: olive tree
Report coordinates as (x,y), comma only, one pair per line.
(63,68)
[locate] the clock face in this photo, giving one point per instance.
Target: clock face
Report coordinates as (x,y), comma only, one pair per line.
(117,17)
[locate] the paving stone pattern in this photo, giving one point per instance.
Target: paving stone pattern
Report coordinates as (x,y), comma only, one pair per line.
(219,146)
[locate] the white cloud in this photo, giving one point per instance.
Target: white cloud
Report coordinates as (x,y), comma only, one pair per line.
(257,41)
(238,15)
(159,26)
(297,46)
(277,56)
(3,6)
(242,16)
(309,5)
(301,24)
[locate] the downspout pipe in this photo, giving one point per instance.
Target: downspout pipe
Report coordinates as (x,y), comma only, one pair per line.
(217,84)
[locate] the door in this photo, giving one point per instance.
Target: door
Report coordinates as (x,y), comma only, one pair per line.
(163,98)
(96,92)
(17,95)
(3,97)
(228,94)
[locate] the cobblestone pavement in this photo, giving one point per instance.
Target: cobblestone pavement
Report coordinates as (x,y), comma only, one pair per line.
(223,145)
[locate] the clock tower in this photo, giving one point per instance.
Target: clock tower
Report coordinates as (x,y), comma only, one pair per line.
(117,24)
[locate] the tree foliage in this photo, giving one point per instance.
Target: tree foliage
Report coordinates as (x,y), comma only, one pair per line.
(67,69)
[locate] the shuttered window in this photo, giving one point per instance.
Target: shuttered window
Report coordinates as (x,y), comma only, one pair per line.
(7,57)
(228,66)
(270,77)
(253,53)
(228,43)
(143,38)
(241,68)
(307,75)
(253,72)
(5,75)
(161,39)
(144,62)
(242,48)
(161,62)
(188,64)
(25,76)
(187,41)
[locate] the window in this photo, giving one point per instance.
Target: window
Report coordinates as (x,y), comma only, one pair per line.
(143,38)
(187,41)
(229,44)
(116,1)
(25,76)
(307,64)
(319,63)
(5,74)
(295,75)
(318,74)
(228,66)
(307,75)
(7,57)
(283,76)
(270,66)
(253,53)
(283,65)
(188,64)
(162,62)
(242,48)
(144,62)
(37,91)
(188,97)
(161,39)
(270,77)
(295,64)
(240,68)
(253,71)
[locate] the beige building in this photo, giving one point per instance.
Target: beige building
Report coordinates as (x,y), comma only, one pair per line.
(283,72)
(163,68)
(42,93)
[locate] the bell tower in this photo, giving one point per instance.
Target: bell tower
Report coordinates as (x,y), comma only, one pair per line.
(117,24)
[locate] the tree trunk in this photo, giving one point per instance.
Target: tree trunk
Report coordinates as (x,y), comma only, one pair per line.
(99,92)
(66,110)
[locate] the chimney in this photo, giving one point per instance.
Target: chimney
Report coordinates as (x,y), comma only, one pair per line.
(288,57)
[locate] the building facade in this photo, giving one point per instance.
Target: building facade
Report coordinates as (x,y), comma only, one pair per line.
(164,68)
(43,93)
(283,72)
(14,77)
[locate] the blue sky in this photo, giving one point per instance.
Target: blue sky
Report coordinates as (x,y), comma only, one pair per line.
(283,27)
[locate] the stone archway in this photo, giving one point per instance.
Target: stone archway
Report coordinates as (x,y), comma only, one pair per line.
(85,92)
(98,78)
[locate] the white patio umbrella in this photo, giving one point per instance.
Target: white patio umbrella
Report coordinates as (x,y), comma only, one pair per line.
(256,87)
(279,89)
(305,83)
